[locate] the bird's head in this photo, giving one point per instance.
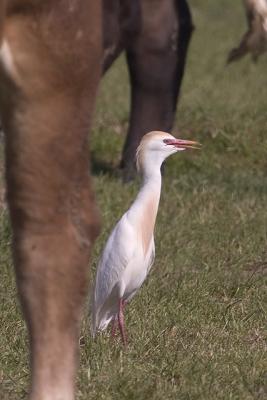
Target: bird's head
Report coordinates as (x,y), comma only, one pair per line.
(156,146)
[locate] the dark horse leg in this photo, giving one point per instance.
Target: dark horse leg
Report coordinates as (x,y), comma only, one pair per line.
(156,59)
(50,62)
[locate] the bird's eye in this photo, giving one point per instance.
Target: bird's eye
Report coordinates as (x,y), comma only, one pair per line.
(167,141)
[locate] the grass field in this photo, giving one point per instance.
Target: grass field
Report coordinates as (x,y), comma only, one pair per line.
(197,327)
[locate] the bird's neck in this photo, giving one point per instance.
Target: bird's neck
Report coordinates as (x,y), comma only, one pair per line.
(144,210)
(150,190)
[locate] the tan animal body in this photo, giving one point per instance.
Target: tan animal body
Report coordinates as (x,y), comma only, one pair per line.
(50,64)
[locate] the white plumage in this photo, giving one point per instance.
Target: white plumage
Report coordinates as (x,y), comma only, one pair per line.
(129,252)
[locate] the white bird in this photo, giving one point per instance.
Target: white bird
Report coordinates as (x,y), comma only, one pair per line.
(130,250)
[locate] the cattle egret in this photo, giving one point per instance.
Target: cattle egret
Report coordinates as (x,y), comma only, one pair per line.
(130,250)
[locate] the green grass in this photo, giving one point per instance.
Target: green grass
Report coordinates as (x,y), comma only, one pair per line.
(196,327)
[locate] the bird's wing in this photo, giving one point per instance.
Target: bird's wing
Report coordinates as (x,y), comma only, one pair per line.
(118,252)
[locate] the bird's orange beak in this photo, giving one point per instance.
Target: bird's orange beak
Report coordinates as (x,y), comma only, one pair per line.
(183,144)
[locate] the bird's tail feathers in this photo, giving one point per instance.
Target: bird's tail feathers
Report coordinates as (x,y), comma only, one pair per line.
(102,314)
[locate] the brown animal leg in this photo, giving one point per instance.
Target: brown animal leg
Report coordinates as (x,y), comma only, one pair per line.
(50,64)
(156,60)
(121,22)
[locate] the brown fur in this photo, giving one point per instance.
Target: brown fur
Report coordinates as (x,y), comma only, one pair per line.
(47,110)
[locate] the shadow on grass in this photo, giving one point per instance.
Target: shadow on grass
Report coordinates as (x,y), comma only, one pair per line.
(103,168)
(100,167)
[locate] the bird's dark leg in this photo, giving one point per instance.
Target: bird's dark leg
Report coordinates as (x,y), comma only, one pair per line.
(121,322)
